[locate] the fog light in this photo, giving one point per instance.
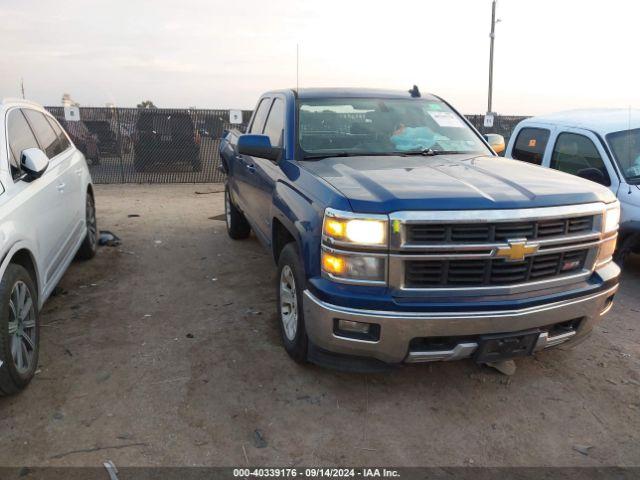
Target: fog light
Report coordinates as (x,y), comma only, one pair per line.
(362,331)
(356,327)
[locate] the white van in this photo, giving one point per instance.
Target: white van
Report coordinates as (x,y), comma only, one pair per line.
(601,145)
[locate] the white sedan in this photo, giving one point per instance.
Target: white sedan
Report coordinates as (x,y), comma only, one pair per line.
(47,217)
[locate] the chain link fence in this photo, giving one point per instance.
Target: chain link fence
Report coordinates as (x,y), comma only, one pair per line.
(158,145)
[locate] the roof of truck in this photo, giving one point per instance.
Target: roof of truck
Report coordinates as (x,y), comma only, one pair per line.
(600,120)
(317,93)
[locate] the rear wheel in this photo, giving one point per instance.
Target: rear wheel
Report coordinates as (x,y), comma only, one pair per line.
(89,245)
(19,329)
(289,291)
(237,226)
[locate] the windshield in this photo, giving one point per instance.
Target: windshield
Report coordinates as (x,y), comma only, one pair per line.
(626,148)
(373,126)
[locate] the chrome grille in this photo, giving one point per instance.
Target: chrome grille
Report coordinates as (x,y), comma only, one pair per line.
(495,251)
(474,273)
(492,232)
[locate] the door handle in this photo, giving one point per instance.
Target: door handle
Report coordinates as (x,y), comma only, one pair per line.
(251,167)
(61,187)
(79,171)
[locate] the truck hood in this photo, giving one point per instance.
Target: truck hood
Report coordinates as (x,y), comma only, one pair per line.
(384,184)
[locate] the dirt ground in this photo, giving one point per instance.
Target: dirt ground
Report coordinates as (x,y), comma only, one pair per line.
(166,351)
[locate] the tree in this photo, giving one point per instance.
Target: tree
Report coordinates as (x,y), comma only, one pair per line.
(146,104)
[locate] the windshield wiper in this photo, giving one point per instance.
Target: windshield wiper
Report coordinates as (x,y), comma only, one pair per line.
(428,152)
(348,154)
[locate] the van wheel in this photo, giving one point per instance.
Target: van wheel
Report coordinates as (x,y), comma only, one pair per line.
(237,226)
(289,288)
(19,329)
(89,245)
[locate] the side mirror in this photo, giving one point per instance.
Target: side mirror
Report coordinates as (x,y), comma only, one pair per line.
(258,146)
(594,175)
(496,142)
(34,162)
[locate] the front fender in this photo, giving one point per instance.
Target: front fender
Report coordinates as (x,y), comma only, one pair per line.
(302,217)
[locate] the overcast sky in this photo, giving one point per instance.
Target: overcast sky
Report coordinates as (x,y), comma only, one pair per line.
(550,54)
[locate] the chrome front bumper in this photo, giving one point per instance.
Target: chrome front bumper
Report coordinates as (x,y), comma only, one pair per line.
(397,329)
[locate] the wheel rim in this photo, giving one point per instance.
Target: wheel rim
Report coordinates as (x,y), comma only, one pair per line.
(227,208)
(22,327)
(288,303)
(92,226)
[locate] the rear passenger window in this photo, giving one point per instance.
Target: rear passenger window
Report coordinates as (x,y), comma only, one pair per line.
(20,138)
(63,141)
(530,145)
(577,155)
(260,116)
(47,138)
(275,123)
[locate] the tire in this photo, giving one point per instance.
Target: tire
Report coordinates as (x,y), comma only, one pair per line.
(291,278)
(237,226)
(19,333)
(624,249)
(89,245)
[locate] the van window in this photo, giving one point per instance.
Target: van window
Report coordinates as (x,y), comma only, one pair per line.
(576,154)
(47,138)
(275,123)
(20,138)
(530,145)
(260,116)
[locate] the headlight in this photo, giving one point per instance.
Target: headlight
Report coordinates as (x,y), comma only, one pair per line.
(609,230)
(611,218)
(356,229)
(354,267)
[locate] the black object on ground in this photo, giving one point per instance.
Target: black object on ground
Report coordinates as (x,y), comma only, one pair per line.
(109,239)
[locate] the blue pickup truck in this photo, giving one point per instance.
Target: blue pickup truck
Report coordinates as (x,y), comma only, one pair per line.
(400,236)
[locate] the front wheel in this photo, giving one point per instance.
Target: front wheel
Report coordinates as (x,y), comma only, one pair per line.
(19,329)
(89,245)
(290,286)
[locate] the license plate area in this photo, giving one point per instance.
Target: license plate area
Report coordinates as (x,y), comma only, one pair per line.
(494,348)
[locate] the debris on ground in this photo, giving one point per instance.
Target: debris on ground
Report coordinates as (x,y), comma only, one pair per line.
(189,335)
(111,470)
(506,367)
(583,449)
(58,291)
(158,242)
(103,377)
(251,311)
(133,215)
(109,239)
(258,439)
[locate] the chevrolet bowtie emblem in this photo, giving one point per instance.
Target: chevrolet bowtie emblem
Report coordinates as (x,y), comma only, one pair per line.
(517,250)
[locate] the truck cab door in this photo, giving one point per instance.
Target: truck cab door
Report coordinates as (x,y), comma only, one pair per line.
(266,172)
(243,178)
(575,151)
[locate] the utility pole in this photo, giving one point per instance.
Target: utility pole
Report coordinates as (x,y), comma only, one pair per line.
(493,36)
(488,118)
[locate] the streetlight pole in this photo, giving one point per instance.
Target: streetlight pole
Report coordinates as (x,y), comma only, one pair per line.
(493,36)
